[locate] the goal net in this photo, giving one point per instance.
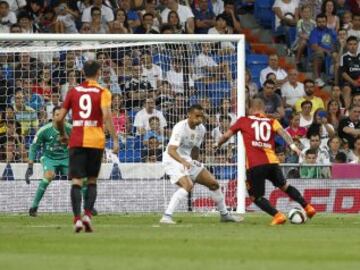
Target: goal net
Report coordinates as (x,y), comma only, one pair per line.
(153,82)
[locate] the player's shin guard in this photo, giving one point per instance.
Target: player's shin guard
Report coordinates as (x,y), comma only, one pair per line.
(176,198)
(296,196)
(265,205)
(44,183)
(219,199)
(90,202)
(75,194)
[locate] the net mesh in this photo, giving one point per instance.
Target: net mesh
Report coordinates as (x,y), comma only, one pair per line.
(152,84)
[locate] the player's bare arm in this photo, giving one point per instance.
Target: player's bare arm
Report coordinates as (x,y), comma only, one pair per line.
(223,139)
(106,111)
(288,139)
(174,154)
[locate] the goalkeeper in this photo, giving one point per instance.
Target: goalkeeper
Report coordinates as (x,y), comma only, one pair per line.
(55,157)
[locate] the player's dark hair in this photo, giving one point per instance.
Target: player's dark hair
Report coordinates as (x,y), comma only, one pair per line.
(94,9)
(195,107)
(148,14)
(55,109)
(271,82)
(308,81)
(310,152)
(320,16)
(152,118)
(309,135)
(91,67)
(341,157)
(351,38)
(305,102)
(353,106)
(4,3)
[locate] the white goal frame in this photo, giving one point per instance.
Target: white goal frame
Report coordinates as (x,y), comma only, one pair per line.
(239,39)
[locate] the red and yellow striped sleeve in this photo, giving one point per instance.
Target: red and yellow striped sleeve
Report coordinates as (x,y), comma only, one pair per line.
(105,98)
(276,125)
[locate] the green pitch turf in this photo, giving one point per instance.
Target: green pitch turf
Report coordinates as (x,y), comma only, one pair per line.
(198,242)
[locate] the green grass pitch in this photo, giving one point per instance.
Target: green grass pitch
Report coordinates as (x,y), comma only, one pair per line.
(197,242)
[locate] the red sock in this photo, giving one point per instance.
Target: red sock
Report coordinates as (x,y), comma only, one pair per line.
(76,218)
(88,212)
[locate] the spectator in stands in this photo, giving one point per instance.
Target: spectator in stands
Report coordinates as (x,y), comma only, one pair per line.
(48,21)
(355,29)
(322,42)
(106,63)
(44,85)
(208,70)
(225,109)
(286,16)
(185,14)
(176,77)
(315,144)
(152,72)
(119,114)
(334,113)
(303,29)
(150,7)
(305,114)
(349,127)
(317,103)
(15,28)
(25,115)
(292,90)
(231,17)
(141,121)
(26,66)
(72,80)
(321,126)
(151,157)
(65,20)
(10,116)
(97,25)
(332,20)
(294,129)
(26,23)
(334,147)
(14,147)
(252,86)
(340,158)
(217,6)
(153,146)
(273,103)
(178,111)
(174,22)
(281,75)
(106,80)
(55,101)
(7,17)
(310,159)
(154,131)
(350,66)
(120,25)
(16,5)
(131,14)
(204,17)
(356,151)
(106,13)
(345,19)
(222,127)
(336,95)
(147,25)
(136,88)
(35,9)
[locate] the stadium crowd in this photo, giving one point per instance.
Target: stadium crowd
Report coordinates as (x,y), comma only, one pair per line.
(152,87)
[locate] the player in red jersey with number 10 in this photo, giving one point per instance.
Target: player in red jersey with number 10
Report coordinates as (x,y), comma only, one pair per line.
(90,104)
(259,132)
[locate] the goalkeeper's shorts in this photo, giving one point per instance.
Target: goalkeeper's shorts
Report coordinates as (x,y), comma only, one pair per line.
(60,166)
(176,170)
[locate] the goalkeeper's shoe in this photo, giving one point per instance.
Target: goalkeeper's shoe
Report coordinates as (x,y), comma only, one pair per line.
(230,218)
(94,212)
(310,210)
(166,219)
(33,212)
(86,220)
(278,219)
(78,225)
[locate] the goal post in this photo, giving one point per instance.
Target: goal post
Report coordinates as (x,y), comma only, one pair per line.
(185,48)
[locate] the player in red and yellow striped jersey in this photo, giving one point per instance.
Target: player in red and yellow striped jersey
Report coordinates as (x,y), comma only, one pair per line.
(259,132)
(91,108)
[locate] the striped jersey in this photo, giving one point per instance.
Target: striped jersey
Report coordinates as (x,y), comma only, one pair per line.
(47,139)
(86,101)
(259,138)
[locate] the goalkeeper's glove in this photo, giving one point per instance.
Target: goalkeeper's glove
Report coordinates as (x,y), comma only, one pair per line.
(28,174)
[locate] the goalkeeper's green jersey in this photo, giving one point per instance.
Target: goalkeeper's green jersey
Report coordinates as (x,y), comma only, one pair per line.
(47,139)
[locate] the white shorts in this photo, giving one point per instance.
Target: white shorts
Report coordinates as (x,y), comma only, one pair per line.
(176,170)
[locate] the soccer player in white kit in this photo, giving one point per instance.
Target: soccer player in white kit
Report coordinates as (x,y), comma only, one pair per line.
(180,161)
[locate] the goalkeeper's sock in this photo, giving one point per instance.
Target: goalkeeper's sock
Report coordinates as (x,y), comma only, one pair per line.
(219,199)
(40,192)
(75,194)
(90,202)
(265,205)
(296,196)
(176,198)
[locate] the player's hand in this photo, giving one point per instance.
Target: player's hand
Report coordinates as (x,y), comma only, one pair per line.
(28,174)
(116,147)
(197,163)
(64,139)
(186,164)
(295,149)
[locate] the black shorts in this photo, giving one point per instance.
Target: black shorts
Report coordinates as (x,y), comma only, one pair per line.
(256,177)
(84,162)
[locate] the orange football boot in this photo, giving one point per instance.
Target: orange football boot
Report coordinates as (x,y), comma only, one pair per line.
(278,219)
(310,210)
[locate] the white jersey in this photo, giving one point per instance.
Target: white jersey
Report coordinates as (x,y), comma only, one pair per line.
(186,139)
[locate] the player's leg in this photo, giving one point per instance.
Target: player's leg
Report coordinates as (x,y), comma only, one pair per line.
(203,177)
(256,188)
(185,186)
(77,168)
(94,158)
(280,182)
(49,174)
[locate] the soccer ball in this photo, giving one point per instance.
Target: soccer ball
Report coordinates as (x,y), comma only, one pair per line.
(297,216)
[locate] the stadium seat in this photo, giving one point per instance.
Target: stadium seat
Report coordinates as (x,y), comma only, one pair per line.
(263,12)
(130,156)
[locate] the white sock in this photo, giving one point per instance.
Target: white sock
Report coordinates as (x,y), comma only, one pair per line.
(176,198)
(219,199)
